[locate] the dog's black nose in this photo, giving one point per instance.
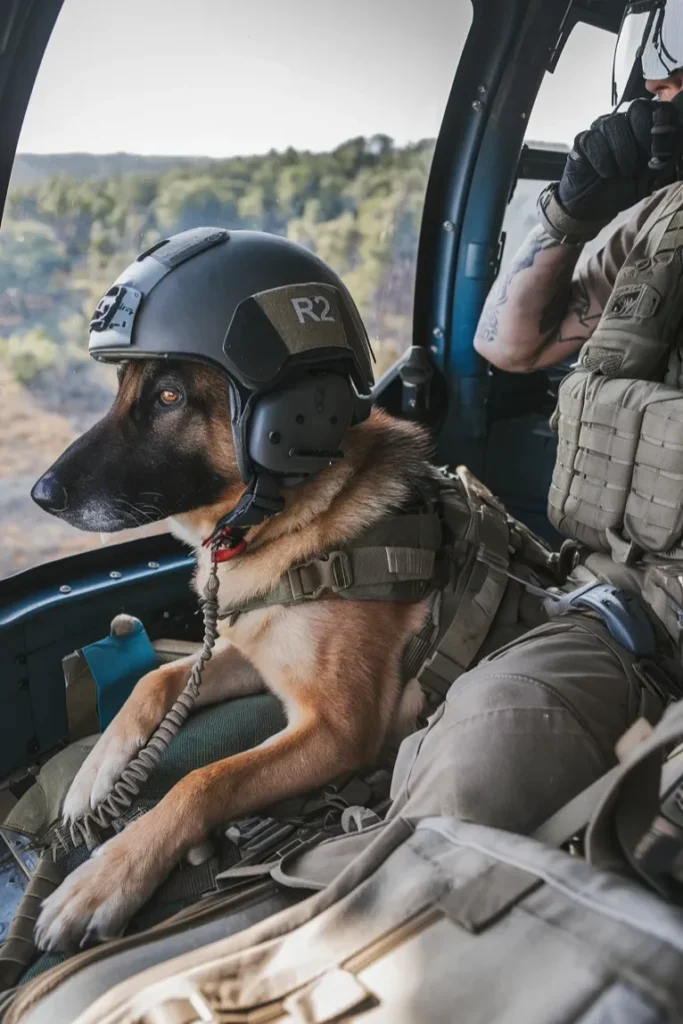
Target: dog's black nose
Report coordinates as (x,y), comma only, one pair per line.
(49,493)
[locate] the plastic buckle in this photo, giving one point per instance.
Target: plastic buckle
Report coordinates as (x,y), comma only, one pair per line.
(312,579)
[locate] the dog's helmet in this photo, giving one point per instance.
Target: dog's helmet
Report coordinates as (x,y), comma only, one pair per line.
(269,313)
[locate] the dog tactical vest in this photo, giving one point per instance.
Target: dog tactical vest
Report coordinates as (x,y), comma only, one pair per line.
(463,554)
(618,480)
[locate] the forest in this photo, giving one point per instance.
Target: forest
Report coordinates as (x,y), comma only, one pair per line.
(66,236)
(73,221)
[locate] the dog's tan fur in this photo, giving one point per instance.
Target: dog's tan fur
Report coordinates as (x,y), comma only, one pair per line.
(334,664)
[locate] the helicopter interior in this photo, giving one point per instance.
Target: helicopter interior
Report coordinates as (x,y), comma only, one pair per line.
(492,421)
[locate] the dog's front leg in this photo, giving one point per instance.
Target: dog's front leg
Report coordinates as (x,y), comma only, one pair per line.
(228,674)
(98,899)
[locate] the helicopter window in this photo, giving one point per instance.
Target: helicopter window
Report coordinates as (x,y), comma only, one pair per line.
(279,116)
(569,100)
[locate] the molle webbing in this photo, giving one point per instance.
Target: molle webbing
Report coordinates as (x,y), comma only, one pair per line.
(641,321)
(471,599)
(618,477)
(618,480)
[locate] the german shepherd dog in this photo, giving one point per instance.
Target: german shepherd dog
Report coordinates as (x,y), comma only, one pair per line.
(165,449)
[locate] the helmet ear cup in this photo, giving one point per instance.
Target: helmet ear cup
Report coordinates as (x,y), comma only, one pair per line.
(299,429)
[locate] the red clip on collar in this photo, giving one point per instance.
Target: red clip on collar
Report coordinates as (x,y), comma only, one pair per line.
(224,546)
(222,554)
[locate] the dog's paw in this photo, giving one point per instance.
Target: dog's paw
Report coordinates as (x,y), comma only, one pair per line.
(99,772)
(97,900)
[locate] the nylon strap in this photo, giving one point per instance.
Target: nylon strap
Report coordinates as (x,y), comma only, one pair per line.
(19,948)
(418,648)
(471,607)
(395,561)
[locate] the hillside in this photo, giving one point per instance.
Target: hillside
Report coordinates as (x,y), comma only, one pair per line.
(31,168)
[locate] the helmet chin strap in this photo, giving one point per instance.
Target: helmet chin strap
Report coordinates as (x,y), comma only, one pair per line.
(261,500)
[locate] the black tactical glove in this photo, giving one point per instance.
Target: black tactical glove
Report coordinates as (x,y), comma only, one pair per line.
(620,159)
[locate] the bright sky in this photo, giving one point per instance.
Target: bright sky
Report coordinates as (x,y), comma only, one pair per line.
(223,77)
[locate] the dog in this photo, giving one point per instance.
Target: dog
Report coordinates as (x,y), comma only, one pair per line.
(165,450)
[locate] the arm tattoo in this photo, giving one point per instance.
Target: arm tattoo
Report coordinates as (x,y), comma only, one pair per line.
(557,310)
(537,242)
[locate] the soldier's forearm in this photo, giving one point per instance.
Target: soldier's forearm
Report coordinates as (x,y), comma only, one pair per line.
(536,314)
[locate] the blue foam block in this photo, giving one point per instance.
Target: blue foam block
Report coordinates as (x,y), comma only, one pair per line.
(116,663)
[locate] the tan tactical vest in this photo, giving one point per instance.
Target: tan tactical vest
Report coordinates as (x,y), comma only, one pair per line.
(618,481)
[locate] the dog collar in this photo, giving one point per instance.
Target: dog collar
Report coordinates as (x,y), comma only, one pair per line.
(260,501)
(226,543)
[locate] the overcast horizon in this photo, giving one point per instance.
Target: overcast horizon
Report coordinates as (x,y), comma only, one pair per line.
(239,79)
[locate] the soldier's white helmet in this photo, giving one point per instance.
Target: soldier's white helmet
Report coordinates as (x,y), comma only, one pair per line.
(650,46)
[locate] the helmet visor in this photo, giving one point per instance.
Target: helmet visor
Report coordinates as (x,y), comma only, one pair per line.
(649,47)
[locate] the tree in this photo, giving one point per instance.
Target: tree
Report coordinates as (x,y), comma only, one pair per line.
(358,206)
(30,254)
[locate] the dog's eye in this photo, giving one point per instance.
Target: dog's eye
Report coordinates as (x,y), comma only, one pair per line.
(169,396)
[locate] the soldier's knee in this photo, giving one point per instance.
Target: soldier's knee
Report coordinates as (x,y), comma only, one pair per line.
(508,751)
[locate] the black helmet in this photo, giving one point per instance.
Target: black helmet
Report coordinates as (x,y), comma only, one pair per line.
(273,316)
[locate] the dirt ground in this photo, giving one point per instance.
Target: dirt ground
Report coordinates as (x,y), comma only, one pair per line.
(30,440)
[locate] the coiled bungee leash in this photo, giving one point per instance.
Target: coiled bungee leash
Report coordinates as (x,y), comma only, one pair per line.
(19,949)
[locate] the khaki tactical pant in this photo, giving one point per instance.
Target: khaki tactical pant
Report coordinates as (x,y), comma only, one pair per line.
(526,730)
(517,737)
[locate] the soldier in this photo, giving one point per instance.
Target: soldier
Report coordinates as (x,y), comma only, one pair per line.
(542,311)
(617,486)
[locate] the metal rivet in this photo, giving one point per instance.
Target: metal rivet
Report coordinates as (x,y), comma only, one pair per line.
(448,225)
(166,615)
(481,89)
(153,565)
(274,437)
(65,589)
(115,575)
(437,332)
(523,116)
(434,349)
(478,106)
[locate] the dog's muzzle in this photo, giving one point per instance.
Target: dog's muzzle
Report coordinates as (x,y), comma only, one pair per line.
(50,494)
